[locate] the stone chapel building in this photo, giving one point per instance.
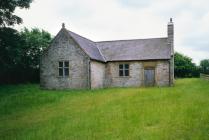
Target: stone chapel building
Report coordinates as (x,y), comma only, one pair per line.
(74,62)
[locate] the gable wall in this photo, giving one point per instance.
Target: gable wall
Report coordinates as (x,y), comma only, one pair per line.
(64,48)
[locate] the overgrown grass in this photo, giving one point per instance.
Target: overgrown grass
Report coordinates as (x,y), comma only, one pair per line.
(169,113)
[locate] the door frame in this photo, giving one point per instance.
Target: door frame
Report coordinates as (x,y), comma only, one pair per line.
(149,68)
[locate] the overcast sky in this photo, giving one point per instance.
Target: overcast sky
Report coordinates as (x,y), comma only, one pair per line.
(126,19)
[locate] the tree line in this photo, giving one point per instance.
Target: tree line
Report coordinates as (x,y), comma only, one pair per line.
(184,67)
(20,51)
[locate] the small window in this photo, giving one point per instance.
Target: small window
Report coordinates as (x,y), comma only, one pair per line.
(63,68)
(123,69)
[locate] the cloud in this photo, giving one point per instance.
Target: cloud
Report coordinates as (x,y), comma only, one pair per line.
(126,19)
(135,3)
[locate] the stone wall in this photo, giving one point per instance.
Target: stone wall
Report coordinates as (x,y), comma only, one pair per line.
(114,80)
(97,74)
(170,31)
(64,48)
(162,73)
(136,77)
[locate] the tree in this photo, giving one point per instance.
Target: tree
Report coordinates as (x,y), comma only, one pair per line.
(184,66)
(35,41)
(204,64)
(10,53)
(19,54)
(7,8)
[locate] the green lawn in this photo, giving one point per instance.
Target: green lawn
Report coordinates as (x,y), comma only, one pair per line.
(169,113)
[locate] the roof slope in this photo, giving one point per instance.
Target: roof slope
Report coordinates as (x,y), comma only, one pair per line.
(124,50)
(139,49)
(88,46)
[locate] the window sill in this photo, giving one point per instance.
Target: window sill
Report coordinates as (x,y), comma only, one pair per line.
(124,77)
(63,77)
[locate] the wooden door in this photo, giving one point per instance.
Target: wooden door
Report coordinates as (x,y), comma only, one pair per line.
(149,77)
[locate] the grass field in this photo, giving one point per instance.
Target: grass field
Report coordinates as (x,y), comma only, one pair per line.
(169,113)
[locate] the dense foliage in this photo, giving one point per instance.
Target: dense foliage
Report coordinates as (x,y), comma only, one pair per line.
(204,64)
(19,54)
(7,8)
(35,41)
(184,66)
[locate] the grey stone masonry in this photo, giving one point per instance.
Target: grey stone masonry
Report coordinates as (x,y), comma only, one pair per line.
(171,45)
(136,73)
(64,48)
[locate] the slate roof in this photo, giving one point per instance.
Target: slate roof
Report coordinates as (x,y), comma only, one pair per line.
(139,49)
(124,50)
(88,46)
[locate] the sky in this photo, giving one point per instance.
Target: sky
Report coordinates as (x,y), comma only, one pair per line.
(101,20)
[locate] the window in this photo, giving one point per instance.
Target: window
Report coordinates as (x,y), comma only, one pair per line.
(63,68)
(123,69)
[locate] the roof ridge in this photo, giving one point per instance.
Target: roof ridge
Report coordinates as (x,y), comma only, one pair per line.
(131,39)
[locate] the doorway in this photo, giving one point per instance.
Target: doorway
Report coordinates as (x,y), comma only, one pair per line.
(149,77)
